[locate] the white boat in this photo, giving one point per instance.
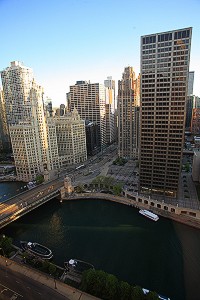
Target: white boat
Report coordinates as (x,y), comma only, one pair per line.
(78,266)
(149,214)
(145,291)
(37,249)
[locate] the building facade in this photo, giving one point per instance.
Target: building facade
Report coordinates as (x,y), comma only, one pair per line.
(128,117)
(71,138)
(164,82)
(92,138)
(33,148)
(24,107)
(190,83)
(89,99)
(190,105)
(5,143)
(17,82)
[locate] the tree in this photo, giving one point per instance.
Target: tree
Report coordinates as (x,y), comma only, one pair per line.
(39,179)
(6,244)
(103,180)
(88,281)
(80,188)
(124,290)
(187,167)
(117,189)
(152,296)
(137,293)
(52,269)
(111,287)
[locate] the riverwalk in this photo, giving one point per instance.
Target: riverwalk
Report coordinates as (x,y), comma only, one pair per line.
(60,287)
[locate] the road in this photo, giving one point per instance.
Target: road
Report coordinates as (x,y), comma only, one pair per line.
(22,201)
(16,286)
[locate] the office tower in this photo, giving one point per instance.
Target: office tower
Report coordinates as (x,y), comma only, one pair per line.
(17,81)
(31,148)
(127,116)
(92,138)
(24,108)
(71,138)
(62,109)
(89,99)
(190,105)
(164,78)
(110,110)
(195,121)
(5,143)
(190,83)
(48,108)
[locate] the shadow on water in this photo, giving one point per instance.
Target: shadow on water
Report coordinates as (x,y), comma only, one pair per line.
(112,237)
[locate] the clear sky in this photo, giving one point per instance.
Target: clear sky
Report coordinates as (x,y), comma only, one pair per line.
(68,40)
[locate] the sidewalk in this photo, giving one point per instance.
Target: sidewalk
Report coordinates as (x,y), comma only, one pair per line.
(62,288)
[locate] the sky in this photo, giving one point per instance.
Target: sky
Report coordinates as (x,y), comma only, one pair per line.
(64,41)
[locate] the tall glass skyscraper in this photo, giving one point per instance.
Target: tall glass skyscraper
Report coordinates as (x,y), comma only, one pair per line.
(164,81)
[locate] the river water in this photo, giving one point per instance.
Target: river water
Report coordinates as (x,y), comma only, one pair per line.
(163,256)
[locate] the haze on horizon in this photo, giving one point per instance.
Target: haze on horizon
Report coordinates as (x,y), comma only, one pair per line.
(65,41)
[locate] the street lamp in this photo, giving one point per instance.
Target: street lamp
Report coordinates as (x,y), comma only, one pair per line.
(55,282)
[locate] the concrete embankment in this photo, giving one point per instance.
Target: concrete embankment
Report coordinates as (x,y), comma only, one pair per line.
(124,200)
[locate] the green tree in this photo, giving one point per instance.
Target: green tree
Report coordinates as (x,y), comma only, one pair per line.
(88,281)
(52,269)
(100,282)
(152,296)
(6,245)
(124,290)
(187,167)
(117,189)
(39,179)
(111,287)
(80,188)
(103,180)
(137,293)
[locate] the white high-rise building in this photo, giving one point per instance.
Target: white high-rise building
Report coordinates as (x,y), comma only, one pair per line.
(71,138)
(27,126)
(17,82)
(110,110)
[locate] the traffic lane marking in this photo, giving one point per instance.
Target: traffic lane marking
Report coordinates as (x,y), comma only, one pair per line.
(8,289)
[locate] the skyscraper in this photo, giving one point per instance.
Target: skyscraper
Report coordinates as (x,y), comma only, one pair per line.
(89,99)
(164,79)
(190,83)
(5,143)
(127,115)
(110,110)
(17,82)
(24,109)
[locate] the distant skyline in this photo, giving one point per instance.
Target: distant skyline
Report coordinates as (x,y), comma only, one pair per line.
(68,40)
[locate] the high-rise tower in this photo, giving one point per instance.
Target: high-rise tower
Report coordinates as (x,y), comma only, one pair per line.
(24,109)
(89,99)
(128,114)
(164,80)
(17,82)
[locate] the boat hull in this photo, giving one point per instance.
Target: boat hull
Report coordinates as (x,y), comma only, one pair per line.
(77,266)
(149,215)
(36,249)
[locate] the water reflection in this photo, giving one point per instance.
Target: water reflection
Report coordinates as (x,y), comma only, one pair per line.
(112,237)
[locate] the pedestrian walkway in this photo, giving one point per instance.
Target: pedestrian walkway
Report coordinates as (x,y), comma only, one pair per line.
(60,287)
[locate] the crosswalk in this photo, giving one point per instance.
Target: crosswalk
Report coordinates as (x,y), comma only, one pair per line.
(6,293)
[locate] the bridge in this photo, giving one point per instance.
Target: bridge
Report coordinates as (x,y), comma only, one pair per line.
(21,204)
